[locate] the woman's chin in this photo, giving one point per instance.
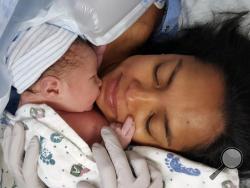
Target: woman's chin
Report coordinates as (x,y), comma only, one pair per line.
(106,112)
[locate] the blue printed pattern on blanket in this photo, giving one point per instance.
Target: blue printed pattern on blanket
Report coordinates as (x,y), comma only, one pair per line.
(4,119)
(174,164)
(45,155)
(56,137)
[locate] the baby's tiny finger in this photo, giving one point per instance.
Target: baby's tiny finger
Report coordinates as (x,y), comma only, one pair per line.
(112,125)
(131,132)
(128,124)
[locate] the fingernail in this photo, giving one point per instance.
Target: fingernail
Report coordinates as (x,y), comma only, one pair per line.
(22,125)
(129,120)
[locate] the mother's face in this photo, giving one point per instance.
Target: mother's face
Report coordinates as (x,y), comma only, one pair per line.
(175,100)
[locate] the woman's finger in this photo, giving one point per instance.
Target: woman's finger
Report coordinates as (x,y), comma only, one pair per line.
(140,168)
(156,177)
(17,147)
(105,166)
(30,164)
(13,149)
(6,144)
(117,155)
(31,158)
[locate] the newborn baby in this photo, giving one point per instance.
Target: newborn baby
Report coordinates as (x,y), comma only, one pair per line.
(70,87)
(57,104)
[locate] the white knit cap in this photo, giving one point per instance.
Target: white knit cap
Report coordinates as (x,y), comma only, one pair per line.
(35,50)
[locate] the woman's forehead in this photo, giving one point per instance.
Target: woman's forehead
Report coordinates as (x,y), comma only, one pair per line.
(195,129)
(194,102)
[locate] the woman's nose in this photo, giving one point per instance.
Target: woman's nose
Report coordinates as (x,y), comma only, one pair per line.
(137,93)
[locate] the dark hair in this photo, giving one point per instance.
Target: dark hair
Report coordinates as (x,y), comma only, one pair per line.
(224,46)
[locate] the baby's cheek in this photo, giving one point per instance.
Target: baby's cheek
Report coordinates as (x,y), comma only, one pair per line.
(96,93)
(91,96)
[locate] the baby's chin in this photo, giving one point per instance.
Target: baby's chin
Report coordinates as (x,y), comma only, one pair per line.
(89,108)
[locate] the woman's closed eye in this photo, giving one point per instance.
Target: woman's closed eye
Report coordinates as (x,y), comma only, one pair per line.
(155,74)
(170,78)
(148,121)
(152,118)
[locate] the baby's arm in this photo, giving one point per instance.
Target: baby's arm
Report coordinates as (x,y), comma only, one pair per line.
(124,131)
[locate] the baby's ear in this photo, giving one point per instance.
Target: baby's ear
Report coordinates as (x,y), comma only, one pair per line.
(50,86)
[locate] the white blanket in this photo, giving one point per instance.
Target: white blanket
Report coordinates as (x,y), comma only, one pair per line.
(66,159)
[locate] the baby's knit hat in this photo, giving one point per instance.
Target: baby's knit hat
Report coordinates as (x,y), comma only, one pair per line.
(34,50)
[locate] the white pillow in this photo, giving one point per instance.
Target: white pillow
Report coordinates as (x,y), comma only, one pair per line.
(100,21)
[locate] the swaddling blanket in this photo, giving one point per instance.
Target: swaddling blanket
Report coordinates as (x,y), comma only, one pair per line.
(181,172)
(66,159)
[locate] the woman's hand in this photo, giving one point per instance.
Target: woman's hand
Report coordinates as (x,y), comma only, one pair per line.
(114,166)
(24,170)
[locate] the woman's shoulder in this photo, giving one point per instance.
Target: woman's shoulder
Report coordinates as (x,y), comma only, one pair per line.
(133,38)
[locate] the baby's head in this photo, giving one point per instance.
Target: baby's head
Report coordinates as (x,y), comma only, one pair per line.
(70,84)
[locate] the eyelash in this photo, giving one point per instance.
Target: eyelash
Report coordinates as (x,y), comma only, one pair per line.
(155,74)
(179,64)
(148,121)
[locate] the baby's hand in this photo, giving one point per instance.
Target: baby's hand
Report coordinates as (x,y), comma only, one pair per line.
(124,132)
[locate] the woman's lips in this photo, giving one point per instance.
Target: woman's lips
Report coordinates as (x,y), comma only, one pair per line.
(111,94)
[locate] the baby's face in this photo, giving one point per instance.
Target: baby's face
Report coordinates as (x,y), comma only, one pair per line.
(83,84)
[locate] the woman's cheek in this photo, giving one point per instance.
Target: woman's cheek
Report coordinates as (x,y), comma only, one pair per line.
(141,136)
